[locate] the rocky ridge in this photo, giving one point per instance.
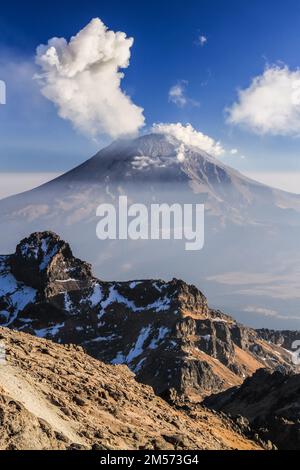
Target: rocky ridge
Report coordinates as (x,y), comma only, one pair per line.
(287,339)
(57,397)
(149,325)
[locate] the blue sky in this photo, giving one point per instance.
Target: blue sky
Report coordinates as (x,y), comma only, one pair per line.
(242,39)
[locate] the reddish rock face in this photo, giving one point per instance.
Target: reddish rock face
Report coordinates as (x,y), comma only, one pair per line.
(72,401)
(164,331)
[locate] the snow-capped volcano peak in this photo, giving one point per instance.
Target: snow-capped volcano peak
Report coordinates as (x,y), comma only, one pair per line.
(149,150)
(149,158)
(159,145)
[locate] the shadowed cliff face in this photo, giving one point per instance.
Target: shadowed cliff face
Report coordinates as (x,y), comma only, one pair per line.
(287,339)
(269,403)
(164,331)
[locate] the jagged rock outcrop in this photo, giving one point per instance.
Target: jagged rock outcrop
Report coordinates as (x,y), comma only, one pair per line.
(285,338)
(164,331)
(44,262)
(58,397)
(269,402)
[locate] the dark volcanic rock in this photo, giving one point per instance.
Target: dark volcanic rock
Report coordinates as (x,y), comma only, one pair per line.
(270,403)
(164,331)
(44,261)
(284,338)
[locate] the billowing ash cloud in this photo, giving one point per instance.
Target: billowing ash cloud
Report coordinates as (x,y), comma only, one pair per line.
(189,136)
(83,79)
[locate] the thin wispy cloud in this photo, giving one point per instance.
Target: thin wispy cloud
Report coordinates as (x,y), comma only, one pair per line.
(202,40)
(178,95)
(235,153)
(82,78)
(267,312)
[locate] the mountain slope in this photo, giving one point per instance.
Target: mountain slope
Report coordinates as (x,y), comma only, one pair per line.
(270,403)
(251,231)
(150,325)
(146,165)
(57,397)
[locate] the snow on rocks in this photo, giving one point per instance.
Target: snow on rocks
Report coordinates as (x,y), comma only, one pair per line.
(145,324)
(14,296)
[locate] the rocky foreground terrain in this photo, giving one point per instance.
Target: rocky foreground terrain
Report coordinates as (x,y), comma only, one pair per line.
(58,397)
(164,331)
(144,355)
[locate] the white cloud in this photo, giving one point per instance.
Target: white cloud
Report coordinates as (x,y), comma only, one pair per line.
(189,136)
(271,104)
(181,153)
(267,312)
(178,96)
(234,151)
(202,40)
(83,79)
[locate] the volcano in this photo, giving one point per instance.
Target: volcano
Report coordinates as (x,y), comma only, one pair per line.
(250,261)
